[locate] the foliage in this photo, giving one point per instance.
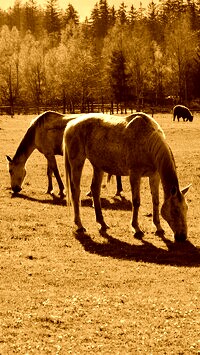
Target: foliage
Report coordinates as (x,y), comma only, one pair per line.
(9,64)
(70,62)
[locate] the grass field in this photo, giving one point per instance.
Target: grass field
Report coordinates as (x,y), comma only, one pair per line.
(112,294)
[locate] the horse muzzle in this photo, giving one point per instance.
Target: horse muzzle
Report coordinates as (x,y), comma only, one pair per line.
(180,237)
(16,189)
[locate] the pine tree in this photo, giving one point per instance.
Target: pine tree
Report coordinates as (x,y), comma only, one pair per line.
(119,78)
(52,17)
(95,21)
(153,23)
(112,16)
(30,17)
(16,14)
(132,16)
(122,13)
(71,15)
(104,17)
(171,10)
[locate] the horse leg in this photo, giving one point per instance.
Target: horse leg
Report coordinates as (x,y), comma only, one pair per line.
(154,181)
(49,176)
(95,189)
(119,185)
(74,172)
(135,188)
(52,165)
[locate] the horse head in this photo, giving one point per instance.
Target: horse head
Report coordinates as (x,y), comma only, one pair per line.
(17,174)
(174,211)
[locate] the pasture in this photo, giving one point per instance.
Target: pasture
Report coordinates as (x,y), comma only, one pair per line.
(62,293)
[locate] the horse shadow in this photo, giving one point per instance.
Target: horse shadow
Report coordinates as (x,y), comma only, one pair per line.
(116,203)
(177,254)
(53,200)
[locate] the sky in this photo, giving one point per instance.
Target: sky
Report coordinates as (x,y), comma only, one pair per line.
(83,7)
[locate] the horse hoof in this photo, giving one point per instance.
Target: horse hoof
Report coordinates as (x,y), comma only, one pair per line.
(139,235)
(79,229)
(104,227)
(180,237)
(160,233)
(14,194)
(61,195)
(49,192)
(119,193)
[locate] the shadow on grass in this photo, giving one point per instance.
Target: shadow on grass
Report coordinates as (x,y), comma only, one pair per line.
(178,254)
(50,199)
(117,204)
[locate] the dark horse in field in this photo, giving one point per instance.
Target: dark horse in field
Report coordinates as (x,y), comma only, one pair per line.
(182,111)
(135,147)
(46,135)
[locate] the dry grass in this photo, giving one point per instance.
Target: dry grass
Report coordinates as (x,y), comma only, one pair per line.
(92,293)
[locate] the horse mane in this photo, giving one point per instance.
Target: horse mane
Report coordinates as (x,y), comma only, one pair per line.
(154,138)
(27,140)
(160,152)
(44,121)
(164,160)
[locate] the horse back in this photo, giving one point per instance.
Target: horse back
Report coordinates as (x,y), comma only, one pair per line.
(98,137)
(111,143)
(49,131)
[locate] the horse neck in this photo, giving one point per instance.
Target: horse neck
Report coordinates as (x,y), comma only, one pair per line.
(26,147)
(166,167)
(169,178)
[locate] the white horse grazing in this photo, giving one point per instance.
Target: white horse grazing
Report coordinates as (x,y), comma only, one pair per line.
(134,146)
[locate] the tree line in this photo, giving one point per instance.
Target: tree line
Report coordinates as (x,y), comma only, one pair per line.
(125,57)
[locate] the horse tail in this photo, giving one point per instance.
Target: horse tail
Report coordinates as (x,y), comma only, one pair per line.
(109,178)
(67,175)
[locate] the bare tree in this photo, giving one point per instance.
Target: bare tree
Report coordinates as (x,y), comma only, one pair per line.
(181,44)
(33,71)
(9,65)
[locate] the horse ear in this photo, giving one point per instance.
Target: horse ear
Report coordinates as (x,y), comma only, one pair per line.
(185,190)
(9,158)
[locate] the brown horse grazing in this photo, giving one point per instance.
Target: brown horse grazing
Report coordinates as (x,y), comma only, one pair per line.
(136,148)
(45,134)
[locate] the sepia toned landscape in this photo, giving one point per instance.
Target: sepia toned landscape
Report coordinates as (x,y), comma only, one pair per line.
(62,293)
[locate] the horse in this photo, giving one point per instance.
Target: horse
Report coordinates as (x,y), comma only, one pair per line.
(182,111)
(46,135)
(134,147)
